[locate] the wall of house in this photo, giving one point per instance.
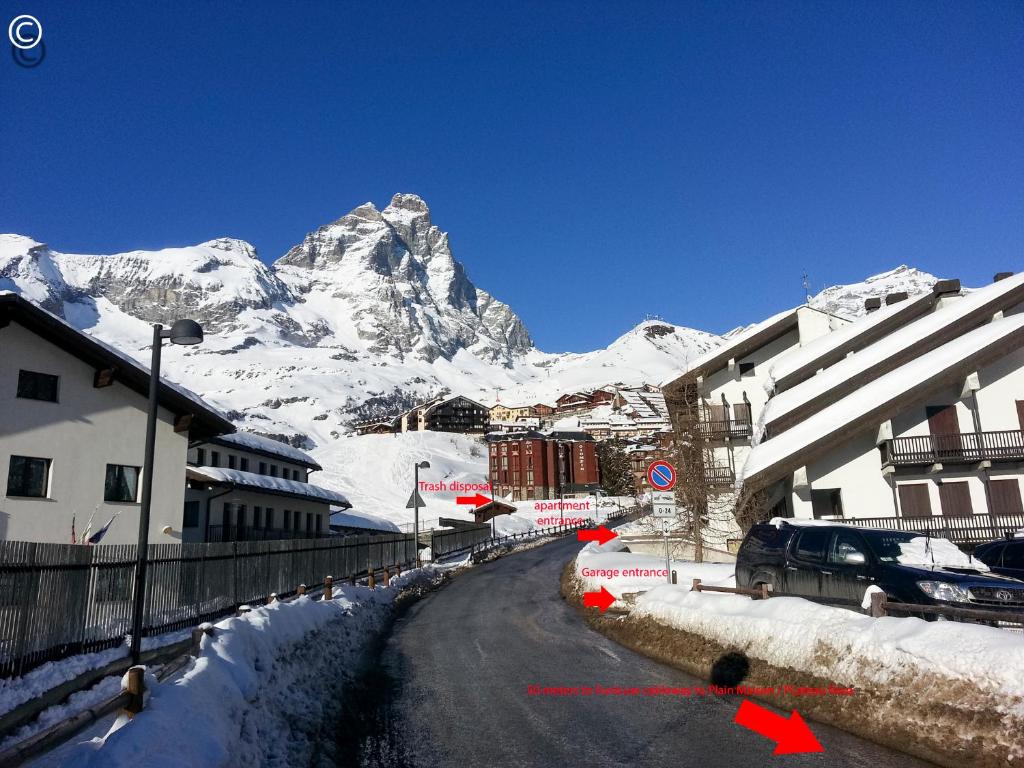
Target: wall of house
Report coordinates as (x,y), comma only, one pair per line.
(226,454)
(855,467)
(218,498)
(83,432)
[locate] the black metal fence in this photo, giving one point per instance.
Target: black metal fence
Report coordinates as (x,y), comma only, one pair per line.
(61,599)
(959,448)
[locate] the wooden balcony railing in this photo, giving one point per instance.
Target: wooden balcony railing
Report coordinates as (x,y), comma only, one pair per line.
(966,448)
(719,430)
(717,477)
(963,529)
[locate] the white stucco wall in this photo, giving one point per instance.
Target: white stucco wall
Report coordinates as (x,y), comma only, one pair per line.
(855,467)
(83,432)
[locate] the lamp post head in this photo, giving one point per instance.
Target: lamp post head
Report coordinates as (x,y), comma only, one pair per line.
(185,332)
(424,465)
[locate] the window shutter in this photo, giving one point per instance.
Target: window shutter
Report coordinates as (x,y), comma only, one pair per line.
(914,501)
(1006,495)
(955,499)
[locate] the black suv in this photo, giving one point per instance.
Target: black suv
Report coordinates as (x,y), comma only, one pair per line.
(1005,556)
(839,562)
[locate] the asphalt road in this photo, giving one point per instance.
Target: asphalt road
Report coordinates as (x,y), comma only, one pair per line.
(450,690)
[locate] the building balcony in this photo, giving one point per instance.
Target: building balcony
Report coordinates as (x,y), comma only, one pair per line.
(728,429)
(965,448)
(719,477)
(964,530)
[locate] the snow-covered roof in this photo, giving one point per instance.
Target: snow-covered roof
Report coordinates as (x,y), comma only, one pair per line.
(349,519)
(266,484)
(879,400)
(976,307)
(129,371)
(267,446)
(721,355)
(859,333)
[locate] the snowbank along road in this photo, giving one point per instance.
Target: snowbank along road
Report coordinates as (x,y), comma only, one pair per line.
(452,689)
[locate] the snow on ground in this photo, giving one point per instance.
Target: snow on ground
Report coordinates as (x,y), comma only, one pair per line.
(261,693)
(606,565)
(376,474)
(842,645)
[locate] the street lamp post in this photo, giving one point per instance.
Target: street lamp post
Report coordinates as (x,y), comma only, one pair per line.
(186,332)
(416,508)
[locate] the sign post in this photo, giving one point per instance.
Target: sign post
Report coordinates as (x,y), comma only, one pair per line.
(662,477)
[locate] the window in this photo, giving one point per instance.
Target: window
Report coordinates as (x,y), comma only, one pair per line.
(200,457)
(28,476)
(287,520)
(231,461)
(263,467)
(827,502)
(297,519)
(504,462)
(1005,497)
(190,518)
(746,369)
(811,544)
(319,523)
(846,543)
(243,464)
(914,501)
(309,521)
(257,517)
(122,483)
(955,499)
(1013,557)
(214,458)
(273,470)
(297,475)
(37,386)
(270,517)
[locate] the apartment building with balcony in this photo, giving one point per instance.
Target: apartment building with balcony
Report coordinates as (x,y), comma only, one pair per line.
(717,401)
(921,428)
(245,487)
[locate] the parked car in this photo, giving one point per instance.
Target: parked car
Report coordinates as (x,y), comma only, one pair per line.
(839,562)
(1005,556)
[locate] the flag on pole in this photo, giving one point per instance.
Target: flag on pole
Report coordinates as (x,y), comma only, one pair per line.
(88,527)
(97,537)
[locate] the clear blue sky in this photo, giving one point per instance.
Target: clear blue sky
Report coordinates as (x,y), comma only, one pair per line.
(591,159)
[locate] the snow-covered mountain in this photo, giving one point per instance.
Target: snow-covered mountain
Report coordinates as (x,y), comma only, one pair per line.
(848,300)
(367,314)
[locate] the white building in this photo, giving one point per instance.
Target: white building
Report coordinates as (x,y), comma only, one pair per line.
(918,427)
(722,394)
(72,434)
(244,487)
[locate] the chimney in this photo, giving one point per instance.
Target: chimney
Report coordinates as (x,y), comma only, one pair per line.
(893,298)
(946,287)
(1002,276)
(872,304)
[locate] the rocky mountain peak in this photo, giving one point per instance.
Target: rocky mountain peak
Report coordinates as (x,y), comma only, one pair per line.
(848,300)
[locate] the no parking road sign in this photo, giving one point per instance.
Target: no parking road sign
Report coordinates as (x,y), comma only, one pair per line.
(661,475)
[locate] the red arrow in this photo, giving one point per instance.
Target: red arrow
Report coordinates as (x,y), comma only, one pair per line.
(477,501)
(791,735)
(601,535)
(602,599)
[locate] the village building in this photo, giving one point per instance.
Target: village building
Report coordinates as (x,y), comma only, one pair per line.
(922,429)
(74,415)
(542,465)
(716,402)
(245,487)
(442,414)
